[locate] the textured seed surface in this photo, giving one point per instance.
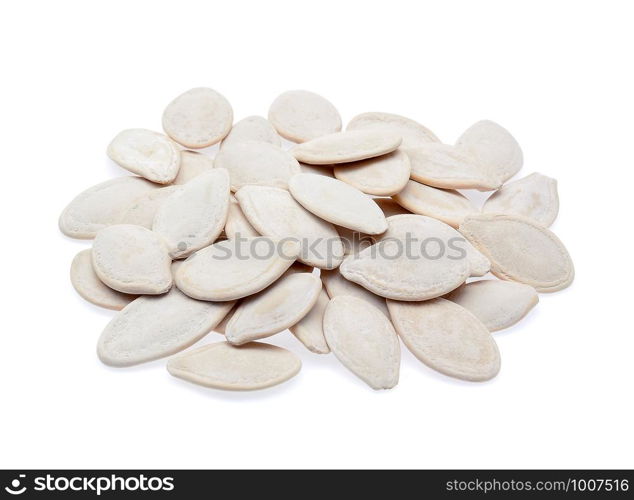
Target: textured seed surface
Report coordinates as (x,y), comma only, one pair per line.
(274,309)
(300,115)
(521,250)
(337,202)
(143,210)
(413,133)
(446,205)
(252,128)
(493,147)
(237,223)
(147,153)
(154,327)
(192,164)
(382,176)
(194,216)
(198,118)
(364,340)
(274,212)
(101,206)
(91,288)
(343,147)
(447,338)
(310,329)
(534,196)
(445,166)
(258,163)
(232,269)
(336,285)
(498,304)
(132,259)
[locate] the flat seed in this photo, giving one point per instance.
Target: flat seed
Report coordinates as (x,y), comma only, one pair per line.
(444,166)
(337,202)
(521,250)
(143,210)
(364,340)
(91,288)
(147,153)
(275,309)
(535,196)
(343,147)
(237,223)
(101,206)
(194,216)
(447,338)
(299,116)
(493,147)
(413,133)
(198,118)
(258,163)
(498,304)
(336,285)
(310,329)
(224,366)
(382,176)
(192,164)
(274,212)
(132,259)
(232,269)
(252,128)
(446,205)
(154,327)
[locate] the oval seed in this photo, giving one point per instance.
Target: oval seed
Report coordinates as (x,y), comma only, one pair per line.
(91,288)
(444,166)
(447,338)
(446,205)
(493,147)
(150,328)
(194,216)
(192,164)
(498,304)
(364,340)
(413,133)
(310,329)
(275,309)
(224,366)
(198,118)
(382,176)
(232,269)
(101,206)
(343,147)
(132,259)
(534,196)
(147,153)
(336,285)
(237,224)
(143,210)
(521,250)
(252,128)
(258,163)
(337,202)
(273,212)
(299,115)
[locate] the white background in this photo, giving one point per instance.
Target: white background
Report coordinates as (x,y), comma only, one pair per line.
(557,74)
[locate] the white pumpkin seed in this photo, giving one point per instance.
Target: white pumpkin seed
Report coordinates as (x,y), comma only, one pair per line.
(413,133)
(275,309)
(310,329)
(198,118)
(150,328)
(299,115)
(252,128)
(337,202)
(447,338)
(143,210)
(91,288)
(224,366)
(364,340)
(194,216)
(192,164)
(274,212)
(336,285)
(132,259)
(382,176)
(498,304)
(534,196)
(232,269)
(237,223)
(521,250)
(343,147)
